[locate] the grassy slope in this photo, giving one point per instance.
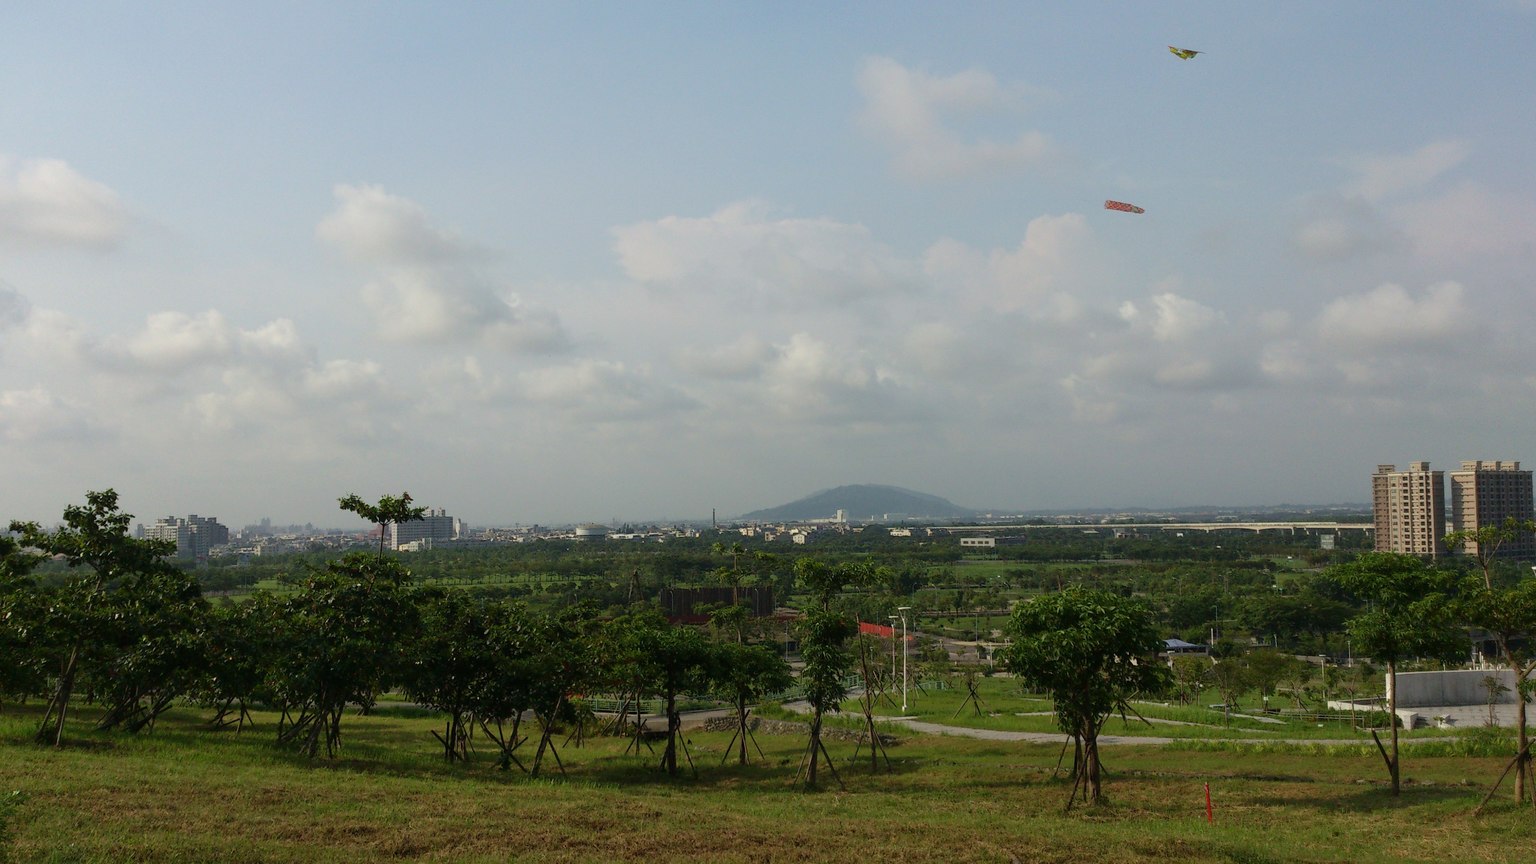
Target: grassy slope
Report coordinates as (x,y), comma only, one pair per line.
(190,795)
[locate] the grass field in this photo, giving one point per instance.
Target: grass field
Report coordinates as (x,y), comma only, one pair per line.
(186,794)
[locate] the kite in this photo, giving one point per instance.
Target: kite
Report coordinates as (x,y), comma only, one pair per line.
(1122,207)
(1184,53)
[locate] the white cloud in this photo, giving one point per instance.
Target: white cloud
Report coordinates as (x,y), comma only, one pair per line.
(1171,318)
(1470,222)
(741,248)
(45,201)
(603,391)
(1033,277)
(276,341)
(176,341)
(38,416)
(342,380)
(810,380)
(910,111)
(376,227)
(1388,317)
(427,289)
(1335,227)
(1380,176)
(744,358)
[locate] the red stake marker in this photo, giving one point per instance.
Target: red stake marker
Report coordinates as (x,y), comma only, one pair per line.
(1210,817)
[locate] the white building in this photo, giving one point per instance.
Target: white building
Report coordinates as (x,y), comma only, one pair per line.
(434,527)
(194,536)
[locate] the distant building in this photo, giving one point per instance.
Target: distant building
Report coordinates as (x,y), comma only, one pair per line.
(690,605)
(1408,508)
(591,532)
(194,536)
(1486,493)
(434,527)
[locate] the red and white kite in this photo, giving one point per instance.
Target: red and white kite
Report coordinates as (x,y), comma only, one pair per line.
(1122,207)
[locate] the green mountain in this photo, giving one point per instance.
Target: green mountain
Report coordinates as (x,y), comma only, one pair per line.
(862,503)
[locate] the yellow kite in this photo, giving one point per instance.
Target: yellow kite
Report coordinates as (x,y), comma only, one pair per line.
(1184,53)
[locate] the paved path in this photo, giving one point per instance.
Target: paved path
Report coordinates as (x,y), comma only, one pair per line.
(1058,738)
(1002,735)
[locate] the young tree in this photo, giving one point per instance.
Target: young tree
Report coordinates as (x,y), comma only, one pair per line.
(445,665)
(82,614)
(506,689)
(1410,616)
(651,657)
(682,665)
(389,511)
(1189,676)
(1483,543)
(824,635)
(559,661)
(343,637)
(1267,668)
(22,611)
(743,675)
(1509,616)
(155,647)
(1092,650)
(241,646)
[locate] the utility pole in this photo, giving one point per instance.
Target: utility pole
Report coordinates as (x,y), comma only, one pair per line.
(904,652)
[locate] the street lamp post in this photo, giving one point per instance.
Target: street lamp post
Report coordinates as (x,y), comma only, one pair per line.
(893,644)
(903,610)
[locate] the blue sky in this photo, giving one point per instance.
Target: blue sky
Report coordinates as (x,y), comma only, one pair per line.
(562,262)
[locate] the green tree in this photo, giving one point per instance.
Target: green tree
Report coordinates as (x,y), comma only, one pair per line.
(81,615)
(506,689)
(240,648)
(1509,616)
(824,635)
(1483,543)
(560,661)
(154,647)
(389,511)
(343,637)
(447,663)
(1092,650)
(22,611)
(743,675)
(1267,668)
(1189,675)
(1410,616)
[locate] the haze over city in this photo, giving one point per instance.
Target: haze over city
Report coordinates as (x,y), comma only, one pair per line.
(561,262)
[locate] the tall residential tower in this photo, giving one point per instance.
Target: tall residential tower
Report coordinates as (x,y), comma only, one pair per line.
(1486,493)
(1409,509)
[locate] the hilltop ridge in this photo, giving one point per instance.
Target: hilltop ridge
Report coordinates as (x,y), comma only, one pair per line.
(862,502)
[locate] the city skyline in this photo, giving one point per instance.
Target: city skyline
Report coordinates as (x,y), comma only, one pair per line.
(595,262)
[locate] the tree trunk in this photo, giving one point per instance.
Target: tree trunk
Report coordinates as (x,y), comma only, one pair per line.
(741,728)
(58,706)
(1393,766)
(669,757)
(810,777)
(1095,777)
(1524,755)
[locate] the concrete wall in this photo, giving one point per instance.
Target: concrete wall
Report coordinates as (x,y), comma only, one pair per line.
(1456,687)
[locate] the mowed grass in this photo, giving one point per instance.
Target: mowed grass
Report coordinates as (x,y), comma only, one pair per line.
(187,794)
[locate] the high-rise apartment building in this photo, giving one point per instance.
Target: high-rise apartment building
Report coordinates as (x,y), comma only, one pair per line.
(194,536)
(434,527)
(1485,493)
(1409,509)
